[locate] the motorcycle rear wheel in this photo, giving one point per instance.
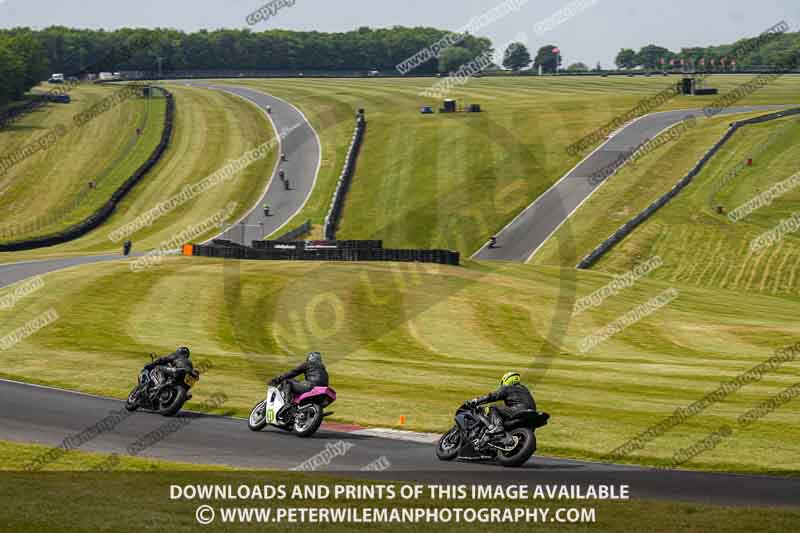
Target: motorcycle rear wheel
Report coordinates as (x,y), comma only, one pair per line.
(523,451)
(312,422)
(258,417)
(448,445)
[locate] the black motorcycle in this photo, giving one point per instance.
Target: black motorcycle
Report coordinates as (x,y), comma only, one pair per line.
(164,396)
(468,439)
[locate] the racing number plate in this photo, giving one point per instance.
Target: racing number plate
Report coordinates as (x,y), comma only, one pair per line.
(190,380)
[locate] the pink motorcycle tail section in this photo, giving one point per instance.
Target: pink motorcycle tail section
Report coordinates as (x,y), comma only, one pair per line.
(317,391)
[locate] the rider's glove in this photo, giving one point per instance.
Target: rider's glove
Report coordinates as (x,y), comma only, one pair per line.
(471,403)
(274,381)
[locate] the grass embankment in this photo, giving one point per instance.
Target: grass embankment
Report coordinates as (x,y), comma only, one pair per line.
(211,128)
(703,247)
(636,186)
(451,181)
(419,342)
(137,498)
(50,190)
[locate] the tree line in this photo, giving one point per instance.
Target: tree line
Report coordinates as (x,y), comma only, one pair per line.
(774,51)
(27,56)
(72,51)
(22,64)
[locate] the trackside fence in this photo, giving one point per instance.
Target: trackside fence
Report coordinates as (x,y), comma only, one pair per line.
(343,185)
(648,212)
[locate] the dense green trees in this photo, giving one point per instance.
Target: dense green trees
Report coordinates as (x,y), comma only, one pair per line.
(778,50)
(27,56)
(22,64)
(548,58)
(452,58)
(626,58)
(70,50)
(516,57)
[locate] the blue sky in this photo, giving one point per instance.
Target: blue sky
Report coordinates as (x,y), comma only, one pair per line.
(594,35)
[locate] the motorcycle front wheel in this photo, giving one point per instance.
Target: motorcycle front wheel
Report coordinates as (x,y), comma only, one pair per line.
(132,403)
(258,417)
(448,446)
(307,421)
(522,450)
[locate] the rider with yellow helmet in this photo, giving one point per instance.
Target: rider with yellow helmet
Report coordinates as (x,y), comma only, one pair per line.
(515,396)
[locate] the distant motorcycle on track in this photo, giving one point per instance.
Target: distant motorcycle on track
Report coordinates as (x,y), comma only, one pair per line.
(468,438)
(162,394)
(302,415)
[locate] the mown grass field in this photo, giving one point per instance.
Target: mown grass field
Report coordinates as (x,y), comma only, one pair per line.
(211,128)
(68,498)
(418,341)
(422,181)
(631,190)
(703,247)
(50,190)
(453,181)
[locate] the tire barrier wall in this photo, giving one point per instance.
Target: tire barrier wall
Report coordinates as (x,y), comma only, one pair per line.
(342,186)
(291,235)
(443,257)
(632,224)
(312,245)
(106,210)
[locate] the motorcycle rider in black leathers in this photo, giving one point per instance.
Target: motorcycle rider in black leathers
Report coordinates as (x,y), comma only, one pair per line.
(516,397)
(314,372)
(170,366)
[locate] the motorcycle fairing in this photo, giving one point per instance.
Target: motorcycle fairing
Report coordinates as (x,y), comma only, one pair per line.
(274,404)
(467,452)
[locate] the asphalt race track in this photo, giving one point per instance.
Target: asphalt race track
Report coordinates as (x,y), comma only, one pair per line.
(303,153)
(48,416)
(520,239)
(30,413)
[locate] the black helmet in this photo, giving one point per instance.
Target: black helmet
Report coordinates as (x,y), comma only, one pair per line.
(184,351)
(314,357)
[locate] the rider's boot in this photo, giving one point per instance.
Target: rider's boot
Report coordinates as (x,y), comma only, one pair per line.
(286,393)
(493,432)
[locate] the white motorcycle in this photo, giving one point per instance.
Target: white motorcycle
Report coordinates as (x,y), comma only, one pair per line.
(303,415)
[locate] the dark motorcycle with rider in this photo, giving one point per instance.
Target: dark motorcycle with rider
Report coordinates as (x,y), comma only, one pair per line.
(507,434)
(164,384)
(296,406)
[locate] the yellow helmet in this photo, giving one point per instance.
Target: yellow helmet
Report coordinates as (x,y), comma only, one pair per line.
(510,378)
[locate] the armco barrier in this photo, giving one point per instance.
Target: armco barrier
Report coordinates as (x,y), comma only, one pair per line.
(106,210)
(342,186)
(632,224)
(291,235)
(444,257)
